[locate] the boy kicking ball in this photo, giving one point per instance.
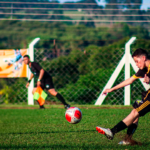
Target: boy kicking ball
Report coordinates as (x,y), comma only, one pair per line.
(140,108)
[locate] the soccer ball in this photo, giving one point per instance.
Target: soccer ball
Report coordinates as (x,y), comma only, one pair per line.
(73,115)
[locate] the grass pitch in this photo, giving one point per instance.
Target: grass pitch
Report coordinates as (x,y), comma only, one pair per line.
(48,129)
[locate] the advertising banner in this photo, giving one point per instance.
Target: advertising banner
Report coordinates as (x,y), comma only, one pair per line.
(11,63)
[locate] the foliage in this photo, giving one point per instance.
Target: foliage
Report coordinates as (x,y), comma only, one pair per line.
(11,90)
(91,54)
(87,88)
(16,34)
(78,75)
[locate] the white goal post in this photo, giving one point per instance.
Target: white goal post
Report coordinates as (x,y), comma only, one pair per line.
(31,86)
(126,60)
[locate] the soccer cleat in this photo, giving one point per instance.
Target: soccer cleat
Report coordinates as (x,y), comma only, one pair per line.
(124,142)
(67,106)
(106,132)
(42,107)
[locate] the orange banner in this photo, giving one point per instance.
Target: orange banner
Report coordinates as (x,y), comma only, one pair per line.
(11,63)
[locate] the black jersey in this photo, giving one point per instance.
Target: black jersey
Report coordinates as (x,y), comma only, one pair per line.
(141,73)
(35,69)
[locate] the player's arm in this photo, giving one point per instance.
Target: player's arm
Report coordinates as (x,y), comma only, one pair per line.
(40,70)
(122,84)
(40,77)
(41,74)
(31,77)
(146,79)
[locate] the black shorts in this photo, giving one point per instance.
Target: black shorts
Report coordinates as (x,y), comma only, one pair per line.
(143,106)
(46,83)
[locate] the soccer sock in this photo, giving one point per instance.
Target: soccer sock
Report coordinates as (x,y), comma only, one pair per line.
(42,107)
(61,99)
(120,126)
(131,129)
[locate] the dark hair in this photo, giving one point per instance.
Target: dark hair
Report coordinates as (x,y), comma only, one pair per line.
(140,52)
(26,56)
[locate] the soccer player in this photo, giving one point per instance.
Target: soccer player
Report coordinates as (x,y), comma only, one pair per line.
(44,80)
(140,108)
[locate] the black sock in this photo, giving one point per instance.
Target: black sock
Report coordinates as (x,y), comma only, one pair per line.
(61,99)
(42,107)
(131,129)
(120,126)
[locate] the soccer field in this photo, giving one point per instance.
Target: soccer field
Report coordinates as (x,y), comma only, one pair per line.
(48,129)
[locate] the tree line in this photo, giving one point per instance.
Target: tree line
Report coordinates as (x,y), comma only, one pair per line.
(88,55)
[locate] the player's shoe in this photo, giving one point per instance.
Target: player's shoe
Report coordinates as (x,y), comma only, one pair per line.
(42,107)
(67,106)
(106,132)
(124,143)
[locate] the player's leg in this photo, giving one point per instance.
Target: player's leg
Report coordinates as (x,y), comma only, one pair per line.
(132,128)
(131,117)
(120,126)
(48,84)
(125,122)
(130,131)
(141,110)
(59,96)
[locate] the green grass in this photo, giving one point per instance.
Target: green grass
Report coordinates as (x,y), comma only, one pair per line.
(48,129)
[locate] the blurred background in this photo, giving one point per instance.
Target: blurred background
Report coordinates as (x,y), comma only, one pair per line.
(81,43)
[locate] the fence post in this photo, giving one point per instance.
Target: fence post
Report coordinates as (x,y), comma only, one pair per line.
(126,59)
(31,86)
(127,70)
(111,81)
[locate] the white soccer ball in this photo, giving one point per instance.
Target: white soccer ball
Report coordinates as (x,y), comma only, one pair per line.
(73,115)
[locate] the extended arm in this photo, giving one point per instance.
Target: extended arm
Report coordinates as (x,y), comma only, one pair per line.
(122,84)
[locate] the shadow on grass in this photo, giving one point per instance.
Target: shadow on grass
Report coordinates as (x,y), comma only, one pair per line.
(68,146)
(48,132)
(59,146)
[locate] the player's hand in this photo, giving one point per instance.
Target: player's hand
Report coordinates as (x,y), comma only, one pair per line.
(107,91)
(146,79)
(27,85)
(38,83)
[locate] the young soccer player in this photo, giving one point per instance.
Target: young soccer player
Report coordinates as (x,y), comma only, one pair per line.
(140,108)
(44,80)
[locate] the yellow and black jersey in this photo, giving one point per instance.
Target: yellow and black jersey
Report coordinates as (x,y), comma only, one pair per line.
(141,73)
(143,106)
